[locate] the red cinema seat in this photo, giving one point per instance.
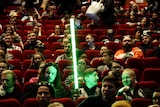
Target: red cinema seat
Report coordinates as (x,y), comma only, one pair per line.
(10,103)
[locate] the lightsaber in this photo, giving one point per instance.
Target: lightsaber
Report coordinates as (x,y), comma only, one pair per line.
(74,57)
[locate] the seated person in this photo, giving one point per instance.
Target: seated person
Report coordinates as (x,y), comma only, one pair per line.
(45,93)
(35,79)
(9,41)
(67,55)
(102,49)
(146,43)
(32,42)
(81,67)
(109,89)
(8,87)
(36,59)
(90,43)
(129,90)
(90,87)
(115,69)
(156,98)
(49,74)
(128,50)
(107,57)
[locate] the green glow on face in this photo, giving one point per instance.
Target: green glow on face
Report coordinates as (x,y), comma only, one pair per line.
(74,52)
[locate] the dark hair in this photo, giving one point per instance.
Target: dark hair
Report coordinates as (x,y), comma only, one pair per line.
(57,81)
(51,89)
(157,89)
(114,61)
(112,79)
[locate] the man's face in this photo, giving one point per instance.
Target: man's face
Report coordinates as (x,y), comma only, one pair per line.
(127,79)
(106,58)
(145,40)
(3,66)
(92,78)
(8,40)
(108,91)
(67,47)
(7,81)
(156,98)
(116,68)
(43,95)
(32,36)
(127,44)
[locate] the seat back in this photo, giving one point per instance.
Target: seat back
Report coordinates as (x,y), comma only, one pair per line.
(151,74)
(29,74)
(31,102)
(10,103)
(141,102)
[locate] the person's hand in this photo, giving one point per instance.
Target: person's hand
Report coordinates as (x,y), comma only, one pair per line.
(2,91)
(125,88)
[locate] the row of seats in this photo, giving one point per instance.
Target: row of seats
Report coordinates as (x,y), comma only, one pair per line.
(143,68)
(67,102)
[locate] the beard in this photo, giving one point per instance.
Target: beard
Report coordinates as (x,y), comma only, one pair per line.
(127,47)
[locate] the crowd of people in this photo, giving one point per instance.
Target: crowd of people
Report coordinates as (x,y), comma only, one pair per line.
(110,83)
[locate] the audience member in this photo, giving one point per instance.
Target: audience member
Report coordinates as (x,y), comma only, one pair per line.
(67,55)
(135,9)
(137,35)
(38,30)
(10,30)
(115,69)
(57,31)
(35,79)
(9,41)
(129,90)
(36,60)
(121,103)
(90,43)
(118,7)
(32,42)
(8,87)
(156,98)
(56,104)
(107,97)
(128,50)
(107,57)
(146,43)
(132,20)
(50,74)
(45,93)
(102,50)
(81,67)
(90,87)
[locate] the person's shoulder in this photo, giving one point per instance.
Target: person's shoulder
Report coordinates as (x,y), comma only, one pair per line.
(91,101)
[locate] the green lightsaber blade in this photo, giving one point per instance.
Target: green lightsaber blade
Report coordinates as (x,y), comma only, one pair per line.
(73,40)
